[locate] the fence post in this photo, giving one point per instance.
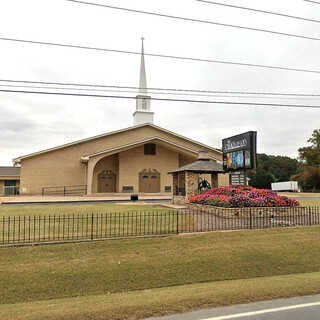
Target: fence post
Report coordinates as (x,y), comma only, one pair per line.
(309,208)
(64,190)
(177,222)
(92,217)
(42,191)
(250,214)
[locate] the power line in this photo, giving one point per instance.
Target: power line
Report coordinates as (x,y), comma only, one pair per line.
(126,91)
(259,11)
(254,104)
(159,55)
(197,20)
(160,93)
(159,89)
(311,1)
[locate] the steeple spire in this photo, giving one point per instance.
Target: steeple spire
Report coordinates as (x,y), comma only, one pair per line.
(143,78)
(143,112)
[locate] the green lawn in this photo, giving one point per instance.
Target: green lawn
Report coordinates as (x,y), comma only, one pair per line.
(163,301)
(46,210)
(309,202)
(30,274)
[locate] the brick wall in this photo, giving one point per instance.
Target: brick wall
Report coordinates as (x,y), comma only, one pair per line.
(63,167)
(133,161)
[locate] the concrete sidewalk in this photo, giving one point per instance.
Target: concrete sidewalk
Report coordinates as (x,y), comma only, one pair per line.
(38,199)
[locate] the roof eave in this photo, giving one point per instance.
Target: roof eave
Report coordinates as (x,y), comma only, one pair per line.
(197,171)
(18,160)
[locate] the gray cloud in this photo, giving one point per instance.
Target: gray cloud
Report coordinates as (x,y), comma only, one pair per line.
(30,123)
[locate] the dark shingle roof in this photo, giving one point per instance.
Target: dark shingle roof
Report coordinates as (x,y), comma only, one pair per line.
(201,166)
(9,171)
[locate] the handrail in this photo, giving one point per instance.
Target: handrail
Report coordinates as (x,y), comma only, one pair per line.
(65,190)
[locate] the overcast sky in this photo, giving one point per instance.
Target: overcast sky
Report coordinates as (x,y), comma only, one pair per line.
(31,123)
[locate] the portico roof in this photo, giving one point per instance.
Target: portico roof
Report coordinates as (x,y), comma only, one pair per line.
(10,171)
(201,166)
(138,143)
(204,164)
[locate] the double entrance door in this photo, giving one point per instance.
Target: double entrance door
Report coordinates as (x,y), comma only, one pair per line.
(149,181)
(106,182)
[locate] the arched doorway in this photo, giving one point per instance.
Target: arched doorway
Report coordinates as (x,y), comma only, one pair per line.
(106,181)
(149,181)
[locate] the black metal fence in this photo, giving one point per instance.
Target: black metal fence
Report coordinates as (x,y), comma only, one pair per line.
(84,227)
(77,227)
(78,190)
(215,218)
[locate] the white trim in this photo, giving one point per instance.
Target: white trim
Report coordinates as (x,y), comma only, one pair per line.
(18,160)
(87,157)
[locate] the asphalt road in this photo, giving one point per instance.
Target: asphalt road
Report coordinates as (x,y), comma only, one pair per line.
(306,197)
(300,308)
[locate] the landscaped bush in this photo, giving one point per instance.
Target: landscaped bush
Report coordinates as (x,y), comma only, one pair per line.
(242,197)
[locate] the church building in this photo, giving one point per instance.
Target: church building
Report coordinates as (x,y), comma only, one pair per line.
(132,160)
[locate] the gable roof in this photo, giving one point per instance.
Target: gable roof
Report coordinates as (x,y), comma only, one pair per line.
(137,143)
(10,171)
(18,160)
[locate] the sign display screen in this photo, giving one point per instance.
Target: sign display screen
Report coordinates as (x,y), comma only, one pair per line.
(235,160)
(240,152)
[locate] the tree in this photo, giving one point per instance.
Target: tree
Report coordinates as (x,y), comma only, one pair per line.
(315,139)
(272,169)
(310,155)
(309,178)
(260,178)
(309,175)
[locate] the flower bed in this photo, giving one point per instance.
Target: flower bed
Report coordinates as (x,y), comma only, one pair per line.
(242,197)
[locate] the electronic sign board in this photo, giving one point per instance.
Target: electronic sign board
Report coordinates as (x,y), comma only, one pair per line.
(240,152)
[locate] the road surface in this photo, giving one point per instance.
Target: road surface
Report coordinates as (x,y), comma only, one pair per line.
(300,308)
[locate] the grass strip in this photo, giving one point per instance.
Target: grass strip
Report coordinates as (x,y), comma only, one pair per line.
(164,301)
(309,202)
(67,209)
(63,271)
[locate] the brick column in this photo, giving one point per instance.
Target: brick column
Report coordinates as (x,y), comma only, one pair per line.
(174,183)
(191,184)
(214,180)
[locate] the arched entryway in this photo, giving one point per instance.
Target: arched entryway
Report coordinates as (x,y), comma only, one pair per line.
(149,181)
(106,181)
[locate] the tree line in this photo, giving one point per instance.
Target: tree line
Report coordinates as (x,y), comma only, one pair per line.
(305,169)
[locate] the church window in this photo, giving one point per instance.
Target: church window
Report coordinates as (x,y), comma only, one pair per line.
(150,149)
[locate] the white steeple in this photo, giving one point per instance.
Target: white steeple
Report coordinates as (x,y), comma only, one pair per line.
(143,78)
(143,112)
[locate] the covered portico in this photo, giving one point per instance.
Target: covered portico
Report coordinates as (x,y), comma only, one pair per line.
(186,179)
(140,167)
